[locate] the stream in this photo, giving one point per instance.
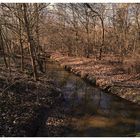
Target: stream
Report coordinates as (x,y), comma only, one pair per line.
(93,112)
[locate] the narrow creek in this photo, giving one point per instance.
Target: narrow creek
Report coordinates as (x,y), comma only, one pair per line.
(93,112)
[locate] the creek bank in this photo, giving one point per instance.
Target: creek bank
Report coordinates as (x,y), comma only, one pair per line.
(24,103)
(106,74)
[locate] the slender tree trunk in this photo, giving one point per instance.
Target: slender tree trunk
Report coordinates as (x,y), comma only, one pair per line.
(37,28)
(20,40)
(103,30)
(30,40)
(103,38)
(3,50)
(76,39)
(9,57)
(22,56)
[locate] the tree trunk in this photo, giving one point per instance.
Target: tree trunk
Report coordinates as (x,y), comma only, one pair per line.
(31,43)
(103,30)
(3,50)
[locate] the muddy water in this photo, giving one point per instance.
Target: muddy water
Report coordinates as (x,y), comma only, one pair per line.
(94,112)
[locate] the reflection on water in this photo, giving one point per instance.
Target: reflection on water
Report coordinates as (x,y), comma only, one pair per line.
(94,113)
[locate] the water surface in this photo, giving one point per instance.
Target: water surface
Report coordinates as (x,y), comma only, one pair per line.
(94,112)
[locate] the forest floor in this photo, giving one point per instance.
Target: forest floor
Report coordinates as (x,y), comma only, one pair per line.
(24,103)
(107,73)
(26,106)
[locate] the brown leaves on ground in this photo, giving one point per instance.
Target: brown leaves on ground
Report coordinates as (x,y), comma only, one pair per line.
(20,101)
(108,72)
